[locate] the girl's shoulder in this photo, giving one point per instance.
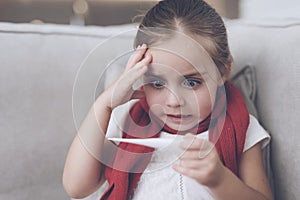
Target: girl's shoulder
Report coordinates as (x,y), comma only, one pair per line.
(117,119)
(255,134)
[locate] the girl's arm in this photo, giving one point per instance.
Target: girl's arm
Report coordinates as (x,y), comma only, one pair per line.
(253,183)
(223,184)
(83,171)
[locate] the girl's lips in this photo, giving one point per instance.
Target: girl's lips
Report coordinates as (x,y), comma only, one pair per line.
(179,118)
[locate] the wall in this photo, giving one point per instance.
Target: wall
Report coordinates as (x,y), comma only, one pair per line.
(100,12)
(268,9)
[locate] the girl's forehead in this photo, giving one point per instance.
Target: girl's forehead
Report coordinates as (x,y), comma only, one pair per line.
(182,52)
(166,57)
(183,49)
(163,60)
(164,70)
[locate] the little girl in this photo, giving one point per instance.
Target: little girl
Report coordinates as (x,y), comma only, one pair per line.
(183,60)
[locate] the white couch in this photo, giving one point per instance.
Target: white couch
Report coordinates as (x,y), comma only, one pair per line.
(39,65)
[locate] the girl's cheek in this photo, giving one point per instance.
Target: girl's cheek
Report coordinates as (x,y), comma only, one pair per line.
(204,101)
(153,96)
(152,93)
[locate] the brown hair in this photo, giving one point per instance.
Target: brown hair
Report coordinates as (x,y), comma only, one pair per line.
(192,17)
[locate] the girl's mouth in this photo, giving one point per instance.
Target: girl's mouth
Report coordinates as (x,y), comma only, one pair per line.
(178,118)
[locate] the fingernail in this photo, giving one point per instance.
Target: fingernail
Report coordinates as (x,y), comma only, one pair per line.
(144,45)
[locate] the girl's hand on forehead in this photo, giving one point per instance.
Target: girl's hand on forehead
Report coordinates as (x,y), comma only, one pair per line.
(137,59)
(121,91)
(200,161)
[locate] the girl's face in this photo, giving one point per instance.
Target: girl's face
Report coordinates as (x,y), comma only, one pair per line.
(176,92)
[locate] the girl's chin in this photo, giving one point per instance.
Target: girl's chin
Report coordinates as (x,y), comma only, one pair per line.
(181,126)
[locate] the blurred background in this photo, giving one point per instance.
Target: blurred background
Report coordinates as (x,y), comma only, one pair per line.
(113,12)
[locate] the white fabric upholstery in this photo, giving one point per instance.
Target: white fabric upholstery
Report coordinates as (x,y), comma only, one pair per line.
(39,64)
(274,51)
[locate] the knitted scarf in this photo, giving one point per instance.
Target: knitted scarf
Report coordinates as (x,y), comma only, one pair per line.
(227,126)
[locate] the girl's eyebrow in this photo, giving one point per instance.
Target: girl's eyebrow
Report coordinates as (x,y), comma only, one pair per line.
(195,74)
(186,75)
(150,74)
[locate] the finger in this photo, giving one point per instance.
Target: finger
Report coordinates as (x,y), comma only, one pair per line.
(190,172)
(197,154)
(192,164)
(190,155)
(132,76)
(202,151)
(194,143)
(136,56)
(191,142)
(206,150)
(145,61)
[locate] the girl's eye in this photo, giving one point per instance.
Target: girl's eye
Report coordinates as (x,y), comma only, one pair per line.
(158,84)
(191,83)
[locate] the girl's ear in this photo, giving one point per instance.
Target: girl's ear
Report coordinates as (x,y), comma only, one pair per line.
(142,88)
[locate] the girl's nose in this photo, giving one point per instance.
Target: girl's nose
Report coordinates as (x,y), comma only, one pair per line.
(174,99)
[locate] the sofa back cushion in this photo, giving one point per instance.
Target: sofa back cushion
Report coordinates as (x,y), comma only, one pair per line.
(39,66)
(273,48)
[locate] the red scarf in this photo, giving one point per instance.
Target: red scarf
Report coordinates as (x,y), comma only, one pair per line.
(228,136)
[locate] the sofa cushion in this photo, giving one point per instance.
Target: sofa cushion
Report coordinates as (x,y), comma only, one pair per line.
(39,64)
(246,83)
(274,52)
